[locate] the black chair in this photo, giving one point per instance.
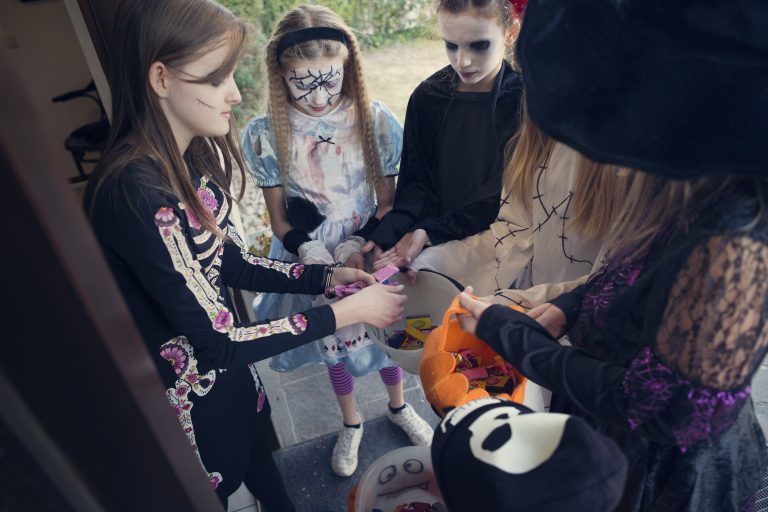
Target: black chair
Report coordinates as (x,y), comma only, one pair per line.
(89,138)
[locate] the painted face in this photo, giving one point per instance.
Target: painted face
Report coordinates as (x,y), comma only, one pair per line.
(475,45)
(201,109)
(315,85)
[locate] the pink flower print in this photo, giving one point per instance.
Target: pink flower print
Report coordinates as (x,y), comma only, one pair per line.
(262,399)
(192,218)
(176,356)
(223,319)
(299,322)
(296,271)
(206,196)
(215,480)
(165,217)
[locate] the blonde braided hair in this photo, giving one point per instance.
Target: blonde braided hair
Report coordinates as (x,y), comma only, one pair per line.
(353,87)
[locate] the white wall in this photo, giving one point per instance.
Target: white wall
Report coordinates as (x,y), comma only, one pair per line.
(46,51)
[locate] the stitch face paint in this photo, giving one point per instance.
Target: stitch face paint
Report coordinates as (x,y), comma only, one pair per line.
(315,85)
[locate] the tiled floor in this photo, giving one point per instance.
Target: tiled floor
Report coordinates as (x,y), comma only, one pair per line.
(305,412)
(305,408)
(760,395)
(242,501)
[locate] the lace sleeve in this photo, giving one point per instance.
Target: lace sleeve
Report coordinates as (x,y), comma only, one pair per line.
(710,342)
(714,327)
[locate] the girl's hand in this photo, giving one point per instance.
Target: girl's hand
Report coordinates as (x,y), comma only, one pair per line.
(349,252)
(371,246)
(380,305)
(355,260)
(404,251)
(550,317)
(475,307)
(349,275)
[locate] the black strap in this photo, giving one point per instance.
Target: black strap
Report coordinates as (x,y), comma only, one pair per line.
(309,34)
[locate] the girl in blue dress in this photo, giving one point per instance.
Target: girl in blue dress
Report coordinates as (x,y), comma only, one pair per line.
(326,157)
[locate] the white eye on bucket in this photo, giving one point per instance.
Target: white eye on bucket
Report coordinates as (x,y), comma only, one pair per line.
(387,474)
(413,466)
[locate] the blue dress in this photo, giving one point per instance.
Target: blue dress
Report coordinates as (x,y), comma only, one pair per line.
(327,169)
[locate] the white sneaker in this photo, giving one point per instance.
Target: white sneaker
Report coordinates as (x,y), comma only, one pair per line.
(412,424)
(344,458)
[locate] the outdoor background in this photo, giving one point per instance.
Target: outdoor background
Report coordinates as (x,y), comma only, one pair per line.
(400,49)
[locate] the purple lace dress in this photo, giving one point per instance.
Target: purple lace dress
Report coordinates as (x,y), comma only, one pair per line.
(665,346)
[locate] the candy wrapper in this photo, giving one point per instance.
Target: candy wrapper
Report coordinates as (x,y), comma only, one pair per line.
(495,378)
(381,275)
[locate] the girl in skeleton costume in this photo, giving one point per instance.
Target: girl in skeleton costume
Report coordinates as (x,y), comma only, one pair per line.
(326,157)
(669,332)
(160,206)
(457,125)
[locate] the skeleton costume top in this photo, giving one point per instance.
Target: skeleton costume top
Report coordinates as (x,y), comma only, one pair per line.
(328,170)
(173,274)
(524,249)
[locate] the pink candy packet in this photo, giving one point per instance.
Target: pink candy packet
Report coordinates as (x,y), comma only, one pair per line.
(381,275)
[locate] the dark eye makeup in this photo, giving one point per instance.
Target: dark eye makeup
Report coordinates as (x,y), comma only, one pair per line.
(480,46)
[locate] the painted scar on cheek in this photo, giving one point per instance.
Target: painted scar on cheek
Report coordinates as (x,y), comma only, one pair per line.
(312,81)
(204,103)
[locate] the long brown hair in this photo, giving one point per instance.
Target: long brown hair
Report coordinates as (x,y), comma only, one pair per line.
(174,32)
(599,190)
(353,86)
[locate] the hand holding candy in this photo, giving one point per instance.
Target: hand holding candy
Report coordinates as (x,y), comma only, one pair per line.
(379,276)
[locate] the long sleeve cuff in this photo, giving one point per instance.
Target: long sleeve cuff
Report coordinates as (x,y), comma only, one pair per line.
(570,304)
(391,228)
(591,384)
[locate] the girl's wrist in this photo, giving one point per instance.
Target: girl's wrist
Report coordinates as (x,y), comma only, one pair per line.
(328,289)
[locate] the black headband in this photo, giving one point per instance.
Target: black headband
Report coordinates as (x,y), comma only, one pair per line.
(309,34)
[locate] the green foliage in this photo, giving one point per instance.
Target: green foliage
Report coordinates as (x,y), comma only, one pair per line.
(263,238)
(376,23)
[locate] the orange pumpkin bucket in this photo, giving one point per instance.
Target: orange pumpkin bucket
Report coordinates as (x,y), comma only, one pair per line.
(444,386)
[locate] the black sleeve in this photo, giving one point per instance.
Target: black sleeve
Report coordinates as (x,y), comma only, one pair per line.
(591,384)
(415,198)
(570,304)
(150,235)
(466,221)
(242,270)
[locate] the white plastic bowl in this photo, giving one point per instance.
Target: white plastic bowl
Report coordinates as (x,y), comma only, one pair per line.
(401,476)
(431,295)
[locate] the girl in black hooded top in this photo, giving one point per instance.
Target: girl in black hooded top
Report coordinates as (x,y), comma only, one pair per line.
(457,125)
